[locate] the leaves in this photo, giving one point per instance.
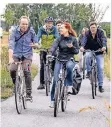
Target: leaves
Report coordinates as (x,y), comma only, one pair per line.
(86,108)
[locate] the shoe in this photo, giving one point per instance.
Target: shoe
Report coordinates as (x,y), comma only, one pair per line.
(101,90)
(88,74)
(52,104)
(29,97)
(41,86)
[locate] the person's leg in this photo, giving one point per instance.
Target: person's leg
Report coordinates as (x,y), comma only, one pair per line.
(88,63)
(27,74)
(69,77)
(56,73)
(13,69)
(41,86)
(100,67)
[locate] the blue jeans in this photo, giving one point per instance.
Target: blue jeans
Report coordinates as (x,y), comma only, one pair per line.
(100,66)
(69,68)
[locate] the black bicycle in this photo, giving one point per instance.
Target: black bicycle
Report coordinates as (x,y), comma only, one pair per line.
(93,74)
(61,90)
(20,88)
(48,73)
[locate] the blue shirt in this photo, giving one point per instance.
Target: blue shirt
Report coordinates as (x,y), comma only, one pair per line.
(22,46)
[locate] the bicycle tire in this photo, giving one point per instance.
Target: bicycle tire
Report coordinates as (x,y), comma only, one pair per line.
(18,97)
(47,83)
(56,98)
(24,95)
(93,83)
(64,98)
(84,67)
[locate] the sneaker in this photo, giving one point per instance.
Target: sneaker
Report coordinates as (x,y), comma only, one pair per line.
(41,86)
(88,74)
(28,97)
(52,104)
(101,90)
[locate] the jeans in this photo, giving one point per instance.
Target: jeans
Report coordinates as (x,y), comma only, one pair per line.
(69,77)
(100,66)
(27,72)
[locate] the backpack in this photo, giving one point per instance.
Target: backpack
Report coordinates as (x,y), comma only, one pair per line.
(77,80)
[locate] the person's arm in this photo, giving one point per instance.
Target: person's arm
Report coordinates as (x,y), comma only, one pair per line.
(54,46)
(11,45)
(75,47)
(103,39)
(56,33)
(39,34)
(104,42)
(83,42)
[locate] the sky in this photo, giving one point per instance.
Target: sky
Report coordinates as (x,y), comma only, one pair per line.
(106,18)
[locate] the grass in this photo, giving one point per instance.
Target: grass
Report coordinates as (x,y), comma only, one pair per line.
(107,62)
(6,82)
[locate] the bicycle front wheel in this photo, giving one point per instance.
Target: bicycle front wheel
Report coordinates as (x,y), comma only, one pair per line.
(64,98)
(93,83)
(18,94)
(57,98)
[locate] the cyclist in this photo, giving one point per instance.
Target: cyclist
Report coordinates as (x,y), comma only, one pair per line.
(47,34)
(68,46)
(84,30)
(21,42)
(95,39)
(58,24)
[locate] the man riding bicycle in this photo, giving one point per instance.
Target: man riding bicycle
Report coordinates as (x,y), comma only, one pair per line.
(47,33)
(21,42)
(95,39)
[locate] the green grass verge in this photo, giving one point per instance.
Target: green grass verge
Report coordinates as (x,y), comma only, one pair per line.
(6,82)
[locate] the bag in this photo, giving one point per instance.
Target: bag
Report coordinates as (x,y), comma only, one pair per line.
(77,80)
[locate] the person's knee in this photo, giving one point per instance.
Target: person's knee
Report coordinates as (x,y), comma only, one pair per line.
(88,55)
(13,67)
(70,65)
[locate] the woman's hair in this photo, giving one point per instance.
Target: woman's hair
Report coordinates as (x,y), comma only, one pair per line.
(70,29)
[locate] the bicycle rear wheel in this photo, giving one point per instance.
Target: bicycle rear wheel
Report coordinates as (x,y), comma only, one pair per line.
(47,82)
(18,94)
(83,67)
(57,98)
(64,98)
(24,94)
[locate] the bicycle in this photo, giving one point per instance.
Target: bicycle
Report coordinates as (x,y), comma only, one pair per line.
(20,89)
(48,73)
(61,90)
(93,74)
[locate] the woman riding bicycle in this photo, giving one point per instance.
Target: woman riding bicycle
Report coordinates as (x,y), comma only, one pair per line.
(68,46)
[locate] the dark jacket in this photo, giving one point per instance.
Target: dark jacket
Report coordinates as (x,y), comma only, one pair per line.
(64,51)
(94,44)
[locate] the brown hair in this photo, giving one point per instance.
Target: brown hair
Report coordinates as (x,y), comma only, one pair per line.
(59,21)
(93,23)
(70,29)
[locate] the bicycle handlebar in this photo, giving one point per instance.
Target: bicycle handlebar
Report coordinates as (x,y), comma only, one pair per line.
(88,50)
